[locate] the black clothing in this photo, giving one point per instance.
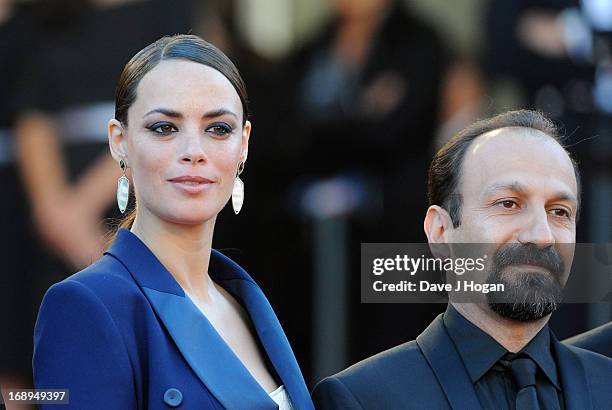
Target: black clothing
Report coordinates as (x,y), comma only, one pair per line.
(430,373)
(489,364)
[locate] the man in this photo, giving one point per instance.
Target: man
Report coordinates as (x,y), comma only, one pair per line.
(506,181)
(597,340)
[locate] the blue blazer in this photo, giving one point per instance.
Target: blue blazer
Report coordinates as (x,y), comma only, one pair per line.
(429,374)
(122,334)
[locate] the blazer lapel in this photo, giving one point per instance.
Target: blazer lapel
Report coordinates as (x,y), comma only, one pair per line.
(443,358)
(205,351)
(576,391)
(275,343)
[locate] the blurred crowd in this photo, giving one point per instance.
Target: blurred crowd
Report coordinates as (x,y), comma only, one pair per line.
(344,124)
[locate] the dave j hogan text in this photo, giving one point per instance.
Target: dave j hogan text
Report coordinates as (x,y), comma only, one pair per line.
(425,286)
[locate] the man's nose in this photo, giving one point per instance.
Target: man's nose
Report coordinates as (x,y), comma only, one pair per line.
(537,230)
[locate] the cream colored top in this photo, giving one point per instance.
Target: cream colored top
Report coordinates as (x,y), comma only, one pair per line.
(281,398)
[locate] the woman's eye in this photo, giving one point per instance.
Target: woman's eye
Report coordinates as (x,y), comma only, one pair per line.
(220,129)
(163,128)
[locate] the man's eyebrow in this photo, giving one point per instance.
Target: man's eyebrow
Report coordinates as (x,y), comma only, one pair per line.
(565,196)
(520,189)
(504,186)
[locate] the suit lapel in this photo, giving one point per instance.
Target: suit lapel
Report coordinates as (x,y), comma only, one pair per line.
(233,278)
(576,391)
(443,358)
(197,340)
(207,353)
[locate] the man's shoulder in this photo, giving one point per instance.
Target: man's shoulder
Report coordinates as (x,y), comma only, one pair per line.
(596,368)
(404,358)
(593,362)
(597,340)
(396,376)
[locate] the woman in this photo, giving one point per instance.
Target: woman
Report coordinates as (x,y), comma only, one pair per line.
(162,320)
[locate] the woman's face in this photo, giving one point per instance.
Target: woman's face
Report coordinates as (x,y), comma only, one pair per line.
(184,141)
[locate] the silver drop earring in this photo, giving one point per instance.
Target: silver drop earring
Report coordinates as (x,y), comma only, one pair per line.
(238,191)
(123,188)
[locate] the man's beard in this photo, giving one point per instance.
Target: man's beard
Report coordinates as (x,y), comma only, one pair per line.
(527,296)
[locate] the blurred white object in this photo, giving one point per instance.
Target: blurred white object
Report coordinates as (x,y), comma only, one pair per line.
(603,89)
(267,25)
(577,34)
(599,13)
(329,198)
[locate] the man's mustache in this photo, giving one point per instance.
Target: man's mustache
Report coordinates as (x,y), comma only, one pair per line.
(529,254)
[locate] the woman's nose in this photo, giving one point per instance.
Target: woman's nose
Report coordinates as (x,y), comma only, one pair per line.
(193,149)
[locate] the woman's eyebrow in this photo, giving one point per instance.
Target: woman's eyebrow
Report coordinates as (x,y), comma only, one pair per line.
(219,112)
(165,111)
(175,114)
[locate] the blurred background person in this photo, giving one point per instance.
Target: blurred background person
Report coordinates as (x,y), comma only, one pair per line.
(366,98)
(18,36)
(64,100)
(69,91)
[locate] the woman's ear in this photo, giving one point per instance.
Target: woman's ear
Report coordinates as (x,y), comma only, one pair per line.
(438,225)
(117,140)
(246,133)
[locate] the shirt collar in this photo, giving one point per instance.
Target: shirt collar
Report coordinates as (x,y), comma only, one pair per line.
(479,351)
(538,349)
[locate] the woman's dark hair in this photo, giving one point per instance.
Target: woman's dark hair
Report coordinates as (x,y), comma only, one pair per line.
(181,47)
(446,166)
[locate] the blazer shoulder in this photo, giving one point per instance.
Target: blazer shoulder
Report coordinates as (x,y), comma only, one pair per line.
(106,283)
(78,345)
(105,275)
(398,375)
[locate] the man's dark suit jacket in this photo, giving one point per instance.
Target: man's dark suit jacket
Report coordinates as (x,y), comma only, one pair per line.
(428,374)
(596,340)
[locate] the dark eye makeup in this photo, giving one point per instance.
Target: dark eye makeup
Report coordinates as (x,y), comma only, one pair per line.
(162,127)
(220,129)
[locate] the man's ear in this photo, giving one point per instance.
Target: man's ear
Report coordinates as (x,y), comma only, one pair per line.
(246,134)
(117,140)
(438,225)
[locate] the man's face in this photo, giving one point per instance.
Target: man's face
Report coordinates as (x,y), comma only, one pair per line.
(519,193)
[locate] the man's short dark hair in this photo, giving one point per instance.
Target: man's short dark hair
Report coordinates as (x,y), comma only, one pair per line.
(445,169)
